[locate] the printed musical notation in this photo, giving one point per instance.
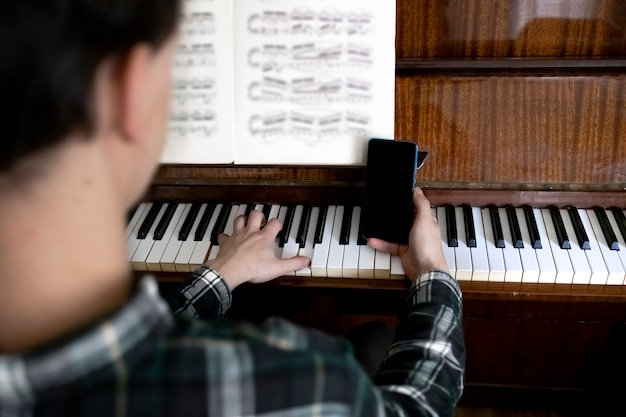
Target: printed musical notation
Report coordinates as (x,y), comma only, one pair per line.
(310,22)
(311,90)
(309,125)
(258,81)
(316,56)
(200,23)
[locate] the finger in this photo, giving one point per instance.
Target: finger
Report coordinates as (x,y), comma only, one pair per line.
(256,219)
(381,245)
(295,264)
(239,223)
(422,204)
(273,227)
(221,238)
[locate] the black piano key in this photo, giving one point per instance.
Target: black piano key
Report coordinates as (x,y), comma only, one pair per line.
(453,240)
(533,231)
(220,224)
(283,235)
(131,213)
(266,210)
(304,225)
(561,234)
(185,229)
(361,239)
(496,225)
(149,220)
(618,213)
(470,229)
(204,222)
(344,237)
(607,230)
(321,220)
(579,229)
(516,233)
(165,221)
(249,208)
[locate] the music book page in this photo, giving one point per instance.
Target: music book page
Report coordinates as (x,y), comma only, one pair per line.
(282,81)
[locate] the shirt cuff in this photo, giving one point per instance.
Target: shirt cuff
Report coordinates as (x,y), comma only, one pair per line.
(206,295)
(437,287)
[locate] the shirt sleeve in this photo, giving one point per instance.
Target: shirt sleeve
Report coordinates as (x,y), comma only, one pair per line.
(203,295)
(423,372)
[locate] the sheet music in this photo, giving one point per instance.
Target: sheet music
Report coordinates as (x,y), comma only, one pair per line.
(311,81)
(201,113)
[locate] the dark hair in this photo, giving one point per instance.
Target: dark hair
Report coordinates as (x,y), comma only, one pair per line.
(49,53)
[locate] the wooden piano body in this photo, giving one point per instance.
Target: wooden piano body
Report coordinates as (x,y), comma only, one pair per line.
(517,102)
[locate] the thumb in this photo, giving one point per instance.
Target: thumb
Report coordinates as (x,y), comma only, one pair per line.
(295,264)
(383,246)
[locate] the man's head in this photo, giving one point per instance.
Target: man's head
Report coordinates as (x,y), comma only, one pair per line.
(51,54)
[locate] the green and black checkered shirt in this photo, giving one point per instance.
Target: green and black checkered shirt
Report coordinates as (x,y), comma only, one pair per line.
(142,361)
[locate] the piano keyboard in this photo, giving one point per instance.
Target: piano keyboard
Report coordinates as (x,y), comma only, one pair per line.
(491,244)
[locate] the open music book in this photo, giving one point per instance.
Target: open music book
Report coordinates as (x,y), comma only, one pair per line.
(282,81)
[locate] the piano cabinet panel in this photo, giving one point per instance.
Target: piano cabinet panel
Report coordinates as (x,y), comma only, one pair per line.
(565,131)
(547,354)
(510,28)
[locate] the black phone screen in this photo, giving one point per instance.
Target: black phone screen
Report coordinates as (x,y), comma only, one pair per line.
(390,179)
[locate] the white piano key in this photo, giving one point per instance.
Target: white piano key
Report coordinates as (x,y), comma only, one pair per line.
(462,254)
(366,262)
(582,271)
(291,247)
(382,265)
(562,261)
(621,252)
(309,242)
(512,261)
(145,245)
(528,256)
(480,261)
(153,261)
(497,269)
(396,269)
(174,245)
(133,240)
(320,250)
(202,248)
(595,256)
(545,259)
(135,219)
(335,251)
(350,267)
(181,263)
(448,252)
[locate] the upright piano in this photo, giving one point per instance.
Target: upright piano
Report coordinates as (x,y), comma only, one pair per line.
(521,105)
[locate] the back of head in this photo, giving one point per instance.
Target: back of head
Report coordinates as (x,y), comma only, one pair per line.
(49,53)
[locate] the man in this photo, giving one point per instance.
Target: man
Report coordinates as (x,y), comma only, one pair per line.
(84,89)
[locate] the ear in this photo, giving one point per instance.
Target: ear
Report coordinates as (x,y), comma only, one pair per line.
(133,82)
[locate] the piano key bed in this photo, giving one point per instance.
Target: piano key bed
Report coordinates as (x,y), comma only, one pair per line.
(495,245)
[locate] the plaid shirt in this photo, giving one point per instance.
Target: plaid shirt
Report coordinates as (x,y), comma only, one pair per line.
(142,361)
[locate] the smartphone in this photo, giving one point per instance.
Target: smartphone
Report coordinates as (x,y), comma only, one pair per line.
(389,183)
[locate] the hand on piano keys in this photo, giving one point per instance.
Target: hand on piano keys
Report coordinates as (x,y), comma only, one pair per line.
(489,244)
(179,237)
